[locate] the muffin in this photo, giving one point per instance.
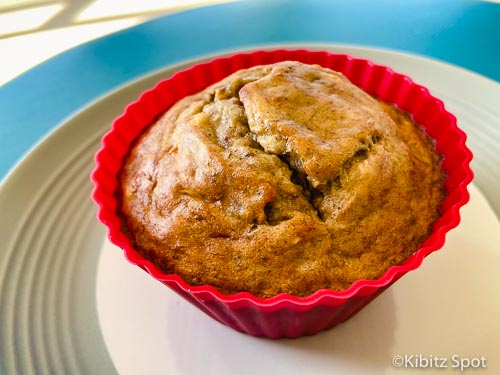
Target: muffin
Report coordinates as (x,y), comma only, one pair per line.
(281,178)
(235,193)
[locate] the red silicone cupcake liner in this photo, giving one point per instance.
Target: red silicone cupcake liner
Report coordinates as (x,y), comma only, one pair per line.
(285,315)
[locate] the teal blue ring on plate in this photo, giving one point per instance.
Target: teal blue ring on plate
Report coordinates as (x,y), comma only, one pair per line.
(462,32)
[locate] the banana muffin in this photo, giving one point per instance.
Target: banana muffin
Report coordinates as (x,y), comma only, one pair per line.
(282,178)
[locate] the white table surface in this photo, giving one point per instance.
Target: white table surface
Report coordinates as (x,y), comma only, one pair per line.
(32,31)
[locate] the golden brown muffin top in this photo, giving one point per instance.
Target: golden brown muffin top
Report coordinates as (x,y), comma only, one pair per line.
(280,178)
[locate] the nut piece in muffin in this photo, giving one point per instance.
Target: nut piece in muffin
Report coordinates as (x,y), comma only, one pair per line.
(282,178)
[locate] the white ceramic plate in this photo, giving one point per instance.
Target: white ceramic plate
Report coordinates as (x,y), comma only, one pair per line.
(66,306)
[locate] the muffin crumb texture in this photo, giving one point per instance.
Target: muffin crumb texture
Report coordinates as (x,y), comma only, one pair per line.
(282,178)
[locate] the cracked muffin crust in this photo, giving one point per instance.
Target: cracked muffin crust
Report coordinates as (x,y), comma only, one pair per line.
(283,178)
